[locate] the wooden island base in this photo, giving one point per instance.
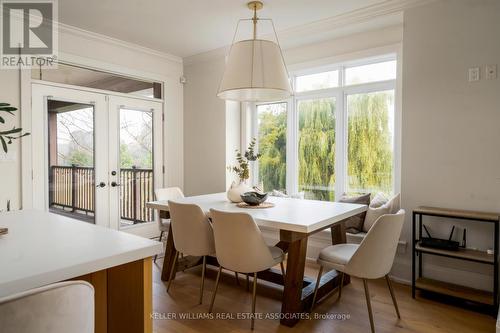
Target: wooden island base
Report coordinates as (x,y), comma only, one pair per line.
(123,297)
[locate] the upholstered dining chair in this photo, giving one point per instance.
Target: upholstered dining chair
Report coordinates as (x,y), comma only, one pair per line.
(57,308)
(240,247)
(169,193)
(193,235)
(371,259)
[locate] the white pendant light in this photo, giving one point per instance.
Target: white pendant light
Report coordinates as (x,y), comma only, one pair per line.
(255,69)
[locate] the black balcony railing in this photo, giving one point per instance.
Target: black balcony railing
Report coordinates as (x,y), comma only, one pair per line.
(73,189)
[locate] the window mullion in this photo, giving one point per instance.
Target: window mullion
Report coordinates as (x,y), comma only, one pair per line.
(292,148)
(340,146)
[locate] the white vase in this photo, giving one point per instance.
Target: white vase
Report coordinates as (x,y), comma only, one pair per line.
(236,190)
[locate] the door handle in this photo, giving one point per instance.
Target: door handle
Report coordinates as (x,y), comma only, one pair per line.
(115,184)
(101,184)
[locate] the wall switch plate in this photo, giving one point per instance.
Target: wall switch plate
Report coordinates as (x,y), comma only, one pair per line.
(474,74)
(491,72)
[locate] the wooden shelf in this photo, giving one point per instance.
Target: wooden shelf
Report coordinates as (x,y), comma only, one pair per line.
(466,254)
(454,290)
(457,213)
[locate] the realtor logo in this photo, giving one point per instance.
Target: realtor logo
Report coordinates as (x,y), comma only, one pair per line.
(28,33)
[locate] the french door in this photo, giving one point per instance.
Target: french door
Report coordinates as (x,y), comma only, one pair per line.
(96,157)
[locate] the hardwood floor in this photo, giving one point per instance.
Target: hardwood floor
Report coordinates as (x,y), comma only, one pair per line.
(418,315)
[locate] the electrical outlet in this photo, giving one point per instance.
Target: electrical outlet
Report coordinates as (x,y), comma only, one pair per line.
(474,74)
(491,72)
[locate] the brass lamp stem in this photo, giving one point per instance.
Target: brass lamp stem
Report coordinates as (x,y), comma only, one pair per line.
(255,6)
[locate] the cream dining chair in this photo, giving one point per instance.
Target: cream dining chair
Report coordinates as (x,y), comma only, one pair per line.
(371,259)
(164,194)
(193,235)
(241,248)
(57,308)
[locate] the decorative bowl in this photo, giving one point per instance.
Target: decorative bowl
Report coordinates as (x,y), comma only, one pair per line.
(254,198)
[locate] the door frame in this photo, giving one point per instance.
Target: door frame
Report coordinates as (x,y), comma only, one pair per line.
(37,182)
(172,113)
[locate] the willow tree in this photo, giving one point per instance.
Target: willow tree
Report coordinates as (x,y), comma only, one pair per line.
(370,142)
(317,148)
(272,146)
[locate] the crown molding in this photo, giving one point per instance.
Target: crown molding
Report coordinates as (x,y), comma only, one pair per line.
(302,32)
(364,14)
(89,35)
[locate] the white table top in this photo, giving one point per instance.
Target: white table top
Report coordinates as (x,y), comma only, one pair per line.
(43,248)
(297,215)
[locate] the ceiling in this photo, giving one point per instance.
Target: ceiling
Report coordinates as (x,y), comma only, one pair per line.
(188,27)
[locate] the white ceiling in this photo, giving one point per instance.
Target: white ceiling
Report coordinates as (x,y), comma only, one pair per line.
(188,27)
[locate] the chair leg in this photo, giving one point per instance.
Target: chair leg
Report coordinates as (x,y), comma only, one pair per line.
(203,269)
(237,278)
(172,270)
(316,287)
(282,270)
(254,296)
(248,282)
(341,285)
(369,304)
(389,284)
(215,290)
(161,235)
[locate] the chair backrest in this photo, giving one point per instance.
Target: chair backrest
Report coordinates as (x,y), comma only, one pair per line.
(57,308)
(168,193)
(191,229)
(375,255)
(239,244)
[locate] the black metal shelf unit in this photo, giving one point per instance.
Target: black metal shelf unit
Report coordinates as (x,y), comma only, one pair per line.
(457,291)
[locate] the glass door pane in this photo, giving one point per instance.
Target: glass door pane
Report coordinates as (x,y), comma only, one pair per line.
(136,166)
(71,159)
(370,142)
(317,148)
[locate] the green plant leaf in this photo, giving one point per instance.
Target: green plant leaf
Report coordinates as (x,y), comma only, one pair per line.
(4,104)
(12,131)
(7,108)
(2,120)
(4,144)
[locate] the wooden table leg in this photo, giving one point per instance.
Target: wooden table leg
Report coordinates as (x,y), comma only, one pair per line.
(168,260)
(338,233)
(291,306)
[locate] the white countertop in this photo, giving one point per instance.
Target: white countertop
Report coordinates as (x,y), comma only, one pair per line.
(297,215)
(43,248)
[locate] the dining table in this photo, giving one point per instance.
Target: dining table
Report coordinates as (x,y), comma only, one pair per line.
(296,220)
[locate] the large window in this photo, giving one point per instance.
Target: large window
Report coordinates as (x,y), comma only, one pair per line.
(336,135)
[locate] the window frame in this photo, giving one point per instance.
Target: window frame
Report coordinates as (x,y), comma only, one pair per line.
(339,94)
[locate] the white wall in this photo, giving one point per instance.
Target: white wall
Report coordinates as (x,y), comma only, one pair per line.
(205,128)
(109,54)
(451,136)
(10,171)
